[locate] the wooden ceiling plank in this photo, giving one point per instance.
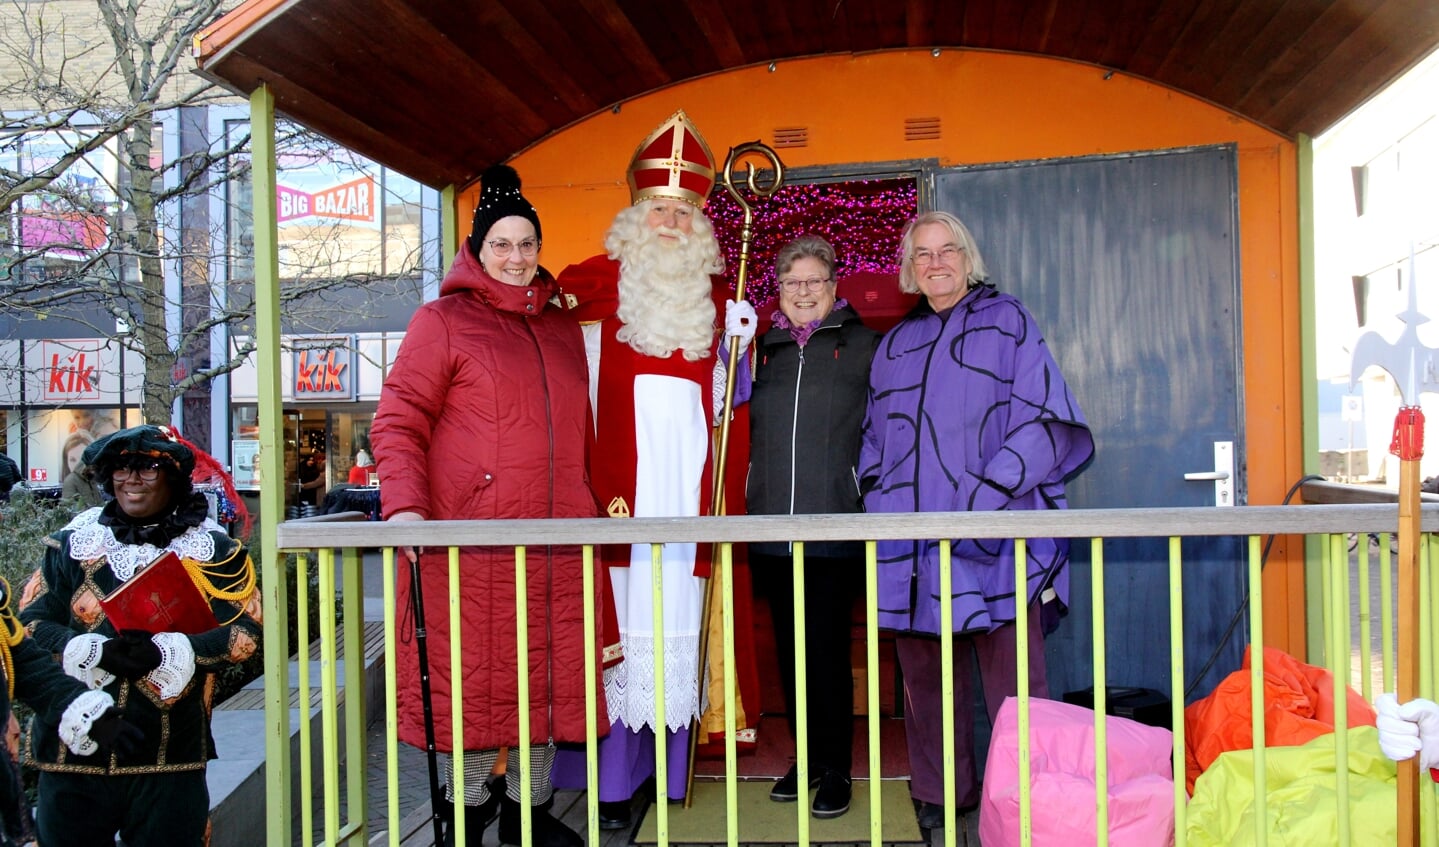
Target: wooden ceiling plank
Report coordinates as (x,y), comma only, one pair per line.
(1226,47)
(394,25)
(380,75)
(1065,29)
(714,24)
(919,29)
(396,98)
(620,32)
(1307,49)
(1094,30)
(1292,18)
(493,23)
(1036,26)
(1359,67)
(336,123)
(1128,25)
(888,30)
(1189,53)
(1163,30)
(832,17)
(946,23)
(605,72)
(674,36)
(1007,30)
(979,23)
(777,30)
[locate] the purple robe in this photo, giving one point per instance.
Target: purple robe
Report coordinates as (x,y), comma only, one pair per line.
(968,412)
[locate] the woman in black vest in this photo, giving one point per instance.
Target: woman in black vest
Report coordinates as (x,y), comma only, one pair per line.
(811,381)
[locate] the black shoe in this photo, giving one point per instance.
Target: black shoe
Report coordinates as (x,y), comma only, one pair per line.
(832,798)
(787,789)
(614,815)
(545,831)
(477,818)
(929,815)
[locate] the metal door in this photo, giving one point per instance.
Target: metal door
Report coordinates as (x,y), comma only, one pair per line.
(1129,263)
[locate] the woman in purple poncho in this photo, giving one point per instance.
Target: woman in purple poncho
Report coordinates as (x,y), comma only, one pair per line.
(967,412)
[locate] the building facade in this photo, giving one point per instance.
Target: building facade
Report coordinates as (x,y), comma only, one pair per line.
(1376,175)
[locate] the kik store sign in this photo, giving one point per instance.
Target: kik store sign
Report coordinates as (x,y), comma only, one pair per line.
(65,371)
(324,369)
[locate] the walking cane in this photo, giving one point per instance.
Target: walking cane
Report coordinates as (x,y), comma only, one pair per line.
(717,505)
(417,596)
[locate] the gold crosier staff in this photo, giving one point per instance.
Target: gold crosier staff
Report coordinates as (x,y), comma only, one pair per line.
(717,504)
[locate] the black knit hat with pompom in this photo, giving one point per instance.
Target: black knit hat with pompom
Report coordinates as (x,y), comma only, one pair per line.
(500,197)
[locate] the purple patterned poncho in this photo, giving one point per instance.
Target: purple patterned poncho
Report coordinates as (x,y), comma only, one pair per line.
(968,412)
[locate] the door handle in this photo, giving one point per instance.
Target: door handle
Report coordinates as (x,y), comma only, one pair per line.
(1221,476)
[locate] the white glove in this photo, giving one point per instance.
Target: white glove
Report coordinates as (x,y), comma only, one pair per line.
(1408,729)
(740,320)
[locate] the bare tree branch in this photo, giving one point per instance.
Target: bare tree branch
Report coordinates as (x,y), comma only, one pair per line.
(80,162)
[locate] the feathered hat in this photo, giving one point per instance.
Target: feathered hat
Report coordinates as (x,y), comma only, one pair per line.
(165,446)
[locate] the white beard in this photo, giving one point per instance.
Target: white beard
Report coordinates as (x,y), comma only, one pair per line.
(664,288)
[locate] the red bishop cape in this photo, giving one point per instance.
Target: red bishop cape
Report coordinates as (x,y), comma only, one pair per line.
(591,290)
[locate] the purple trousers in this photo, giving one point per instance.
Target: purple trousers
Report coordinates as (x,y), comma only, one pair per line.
(626,760)
(919,658)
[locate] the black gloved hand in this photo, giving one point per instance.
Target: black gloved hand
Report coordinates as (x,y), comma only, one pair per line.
(130,655)
(115,734)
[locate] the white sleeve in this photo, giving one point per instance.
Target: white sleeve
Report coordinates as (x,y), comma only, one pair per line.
(81,660)
(79,716)
(177,664)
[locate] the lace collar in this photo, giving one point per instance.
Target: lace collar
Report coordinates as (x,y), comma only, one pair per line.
(90,540)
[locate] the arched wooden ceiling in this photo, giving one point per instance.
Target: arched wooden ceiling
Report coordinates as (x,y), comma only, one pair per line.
(440,89)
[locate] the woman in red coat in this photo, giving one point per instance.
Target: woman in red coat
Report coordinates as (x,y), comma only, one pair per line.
(485,415)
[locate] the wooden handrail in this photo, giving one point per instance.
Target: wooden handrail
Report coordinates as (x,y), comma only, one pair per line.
(1073,523)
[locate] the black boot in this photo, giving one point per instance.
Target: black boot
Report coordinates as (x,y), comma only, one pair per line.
(545,830)
(477,818)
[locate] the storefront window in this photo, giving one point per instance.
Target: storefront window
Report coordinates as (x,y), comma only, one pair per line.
(51,235)
(338,215)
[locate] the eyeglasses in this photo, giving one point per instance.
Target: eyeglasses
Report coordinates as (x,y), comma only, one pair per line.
(814,283)
(501,248)
(147,473)
(947,253)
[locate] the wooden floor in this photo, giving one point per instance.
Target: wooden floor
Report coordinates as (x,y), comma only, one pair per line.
(416,830)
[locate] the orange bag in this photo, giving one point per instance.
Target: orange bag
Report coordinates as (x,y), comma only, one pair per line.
(1298,707)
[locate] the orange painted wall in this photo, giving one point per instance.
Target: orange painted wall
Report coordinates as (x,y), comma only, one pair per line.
(993,107)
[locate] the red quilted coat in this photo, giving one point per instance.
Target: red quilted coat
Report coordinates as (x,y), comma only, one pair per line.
(485,415)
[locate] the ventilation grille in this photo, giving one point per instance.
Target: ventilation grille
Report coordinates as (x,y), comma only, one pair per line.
(791,136)
(921,129)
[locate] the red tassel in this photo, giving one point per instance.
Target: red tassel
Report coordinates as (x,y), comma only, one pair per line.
(208,470)
(1408,440)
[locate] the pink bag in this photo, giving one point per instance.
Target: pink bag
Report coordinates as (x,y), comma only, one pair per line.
(1062,802)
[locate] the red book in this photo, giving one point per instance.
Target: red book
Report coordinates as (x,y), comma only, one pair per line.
(160,597)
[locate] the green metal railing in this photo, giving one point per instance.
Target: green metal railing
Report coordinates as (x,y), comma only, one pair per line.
(1329,524)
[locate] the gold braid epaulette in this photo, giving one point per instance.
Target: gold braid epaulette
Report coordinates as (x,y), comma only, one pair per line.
(13,634)
(236,586)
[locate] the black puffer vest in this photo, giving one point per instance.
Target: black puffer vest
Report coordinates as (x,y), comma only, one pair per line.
(805,417)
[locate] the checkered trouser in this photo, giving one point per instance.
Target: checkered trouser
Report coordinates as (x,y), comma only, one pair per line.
(479,764)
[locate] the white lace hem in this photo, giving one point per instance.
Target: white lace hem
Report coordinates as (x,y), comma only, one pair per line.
(81,660)
(79,716)
(177,664)
(630,690)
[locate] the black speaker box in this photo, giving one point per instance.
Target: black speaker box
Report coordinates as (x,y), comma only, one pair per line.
(1144,705)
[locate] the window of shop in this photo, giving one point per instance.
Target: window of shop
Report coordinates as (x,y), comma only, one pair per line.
(319,440)
(338,215)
